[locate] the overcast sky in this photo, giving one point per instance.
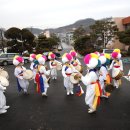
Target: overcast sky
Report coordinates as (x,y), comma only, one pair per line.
(56,13)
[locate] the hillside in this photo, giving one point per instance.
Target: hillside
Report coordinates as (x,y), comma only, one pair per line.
(84,22)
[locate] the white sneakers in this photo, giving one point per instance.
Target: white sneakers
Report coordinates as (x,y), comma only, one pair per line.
(104,96)
(68,93)
(72,92)
(44,94)
(6,107)
(2,111)
(91,110)
(53,78)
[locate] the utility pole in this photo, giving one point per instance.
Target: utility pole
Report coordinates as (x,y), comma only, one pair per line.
(2,40)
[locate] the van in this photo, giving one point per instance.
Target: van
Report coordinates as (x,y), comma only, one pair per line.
(7,58)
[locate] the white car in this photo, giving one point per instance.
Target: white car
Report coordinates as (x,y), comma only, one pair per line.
(109,51)
(7,58)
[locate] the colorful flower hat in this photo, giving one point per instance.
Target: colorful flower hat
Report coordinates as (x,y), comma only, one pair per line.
(41,59)
(116,54)
(108,58)
(102,58)
(32,57)
(73,53)
(66,57)
(51,56)
(17,60)
(91,60)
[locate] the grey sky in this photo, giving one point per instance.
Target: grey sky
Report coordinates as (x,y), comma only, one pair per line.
(56,13)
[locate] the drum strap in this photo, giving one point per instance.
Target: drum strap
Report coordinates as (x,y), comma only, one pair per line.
(21,73)
(53,63)
(66,68)
(74,63)
(92,70)
(104,66)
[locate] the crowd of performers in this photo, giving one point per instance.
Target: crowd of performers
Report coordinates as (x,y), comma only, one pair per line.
(97,80)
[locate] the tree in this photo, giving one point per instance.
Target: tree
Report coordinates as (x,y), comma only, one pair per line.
(13,33)
(103,31)
(19,40)
(1,39)
(79,32)
(27,36)
(83,45)
(124,37)
(46,44)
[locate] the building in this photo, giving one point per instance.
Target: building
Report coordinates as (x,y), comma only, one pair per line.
(118,22)
(66,37)
(122,24)
(126,23)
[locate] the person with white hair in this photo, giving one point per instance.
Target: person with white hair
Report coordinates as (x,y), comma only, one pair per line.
(67,70)
(53,64)
(22,83)
(3,84)
(41,76)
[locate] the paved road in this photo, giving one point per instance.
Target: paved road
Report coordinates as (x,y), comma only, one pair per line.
(60,112)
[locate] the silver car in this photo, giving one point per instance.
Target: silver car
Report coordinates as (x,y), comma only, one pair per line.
(7,58)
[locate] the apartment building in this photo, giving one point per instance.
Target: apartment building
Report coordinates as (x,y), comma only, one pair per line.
(123,23)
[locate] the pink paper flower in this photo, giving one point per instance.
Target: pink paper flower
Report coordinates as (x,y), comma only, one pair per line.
(53,56)
(87,58)
(73,53)
(114,54)
(20,59)
(33,56)
(44,57)
(69,57)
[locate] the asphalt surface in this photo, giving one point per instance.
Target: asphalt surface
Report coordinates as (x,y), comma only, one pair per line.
(61,112)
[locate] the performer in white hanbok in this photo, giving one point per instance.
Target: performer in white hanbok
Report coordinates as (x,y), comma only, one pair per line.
(41,76)
(104,76)
(33,67)
(77,65)
(67,70)
(53,64)
(117,67)
(93,90)
(3,84)
(22,83)
(75,62)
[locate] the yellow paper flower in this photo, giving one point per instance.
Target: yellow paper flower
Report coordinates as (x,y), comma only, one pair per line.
(107,55)
(15,56)
(93,55)
(37,56)
(117,50)
(50,53)
(64,55)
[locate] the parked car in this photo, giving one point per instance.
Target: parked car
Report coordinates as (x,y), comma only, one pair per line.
(7,58)
(109,51)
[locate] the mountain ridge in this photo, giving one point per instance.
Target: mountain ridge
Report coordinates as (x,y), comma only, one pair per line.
(82,22)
